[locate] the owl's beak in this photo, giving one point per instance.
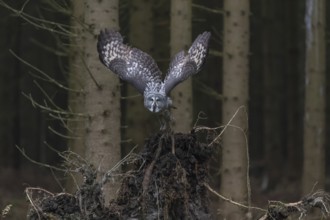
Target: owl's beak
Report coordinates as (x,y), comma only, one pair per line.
(154,107)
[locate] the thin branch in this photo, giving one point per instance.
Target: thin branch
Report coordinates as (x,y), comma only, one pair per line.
(63,122)
(23,6)
(63,135)
(215,53)
(201,7)
(201,116)
(47,96)
(56,7)
(39,23)
(278,210)
(231,201)
(225,127)
(68,155)
(201,128)
(130,97)
(46,108)
(109,174)
(90,74)
(29,196)
(67,117)
(248,184)
(49,49)
(57,180)
(209,91)
(43,73)
(38,163)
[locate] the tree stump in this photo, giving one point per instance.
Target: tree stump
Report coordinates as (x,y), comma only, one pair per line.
(168,186)
(162,185)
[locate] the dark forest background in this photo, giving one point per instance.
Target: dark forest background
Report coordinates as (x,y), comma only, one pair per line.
(33,47)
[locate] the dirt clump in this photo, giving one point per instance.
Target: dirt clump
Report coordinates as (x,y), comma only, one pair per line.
(167,182)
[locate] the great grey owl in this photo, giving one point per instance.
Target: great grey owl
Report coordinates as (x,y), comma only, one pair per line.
(140,70)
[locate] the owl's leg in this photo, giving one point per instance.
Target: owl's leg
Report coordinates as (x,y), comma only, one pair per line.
(162,123)
(173,144)
(165,121)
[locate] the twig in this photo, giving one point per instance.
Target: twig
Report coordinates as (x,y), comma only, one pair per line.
(52,80)
(225,127)
(209,91)
(109,174)
(231,201)
(278,210)
(37,22)
(62,135)
(67,117)
(90,74)
(29,194)
(149,169)
(64,123)
(58,7)
(130,97)
(57,181)
(46,108)
(216,53)
(248,185)
(201,116)
(47,96)
(50,49)
(32,203)
(38,163)
(200,128)
(216,11)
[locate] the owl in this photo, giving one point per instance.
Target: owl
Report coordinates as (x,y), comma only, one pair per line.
(140,70)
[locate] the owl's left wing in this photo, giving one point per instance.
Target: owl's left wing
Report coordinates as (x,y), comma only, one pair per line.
(184,64)
(130,64)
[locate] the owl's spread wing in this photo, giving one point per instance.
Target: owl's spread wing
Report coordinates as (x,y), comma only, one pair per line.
(184,64)
(130,64)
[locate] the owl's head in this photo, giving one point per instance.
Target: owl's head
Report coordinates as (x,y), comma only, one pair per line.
(156,102)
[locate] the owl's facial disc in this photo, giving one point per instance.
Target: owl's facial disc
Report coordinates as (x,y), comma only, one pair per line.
(155,102)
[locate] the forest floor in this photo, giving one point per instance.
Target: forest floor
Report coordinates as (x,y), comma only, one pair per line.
(12,186)
(166,182)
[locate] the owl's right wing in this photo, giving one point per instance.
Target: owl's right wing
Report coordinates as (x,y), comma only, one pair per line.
(185,64)
(130,64)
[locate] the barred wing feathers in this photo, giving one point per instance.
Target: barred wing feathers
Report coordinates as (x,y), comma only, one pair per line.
(130,64)
(184,64)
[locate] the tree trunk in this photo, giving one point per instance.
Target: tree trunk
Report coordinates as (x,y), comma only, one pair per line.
(138,119)
(102,93)
(235,92)
(10,92)
(314,119)
(76,99)
(294,57)
(273,81)
(181,39)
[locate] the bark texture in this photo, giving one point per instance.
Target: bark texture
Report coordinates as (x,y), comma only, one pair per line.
(102,93)
(235,92)
(314,119)
(181,39)
(76,97)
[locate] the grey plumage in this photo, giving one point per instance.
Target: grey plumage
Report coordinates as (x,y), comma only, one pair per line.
(140,70)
